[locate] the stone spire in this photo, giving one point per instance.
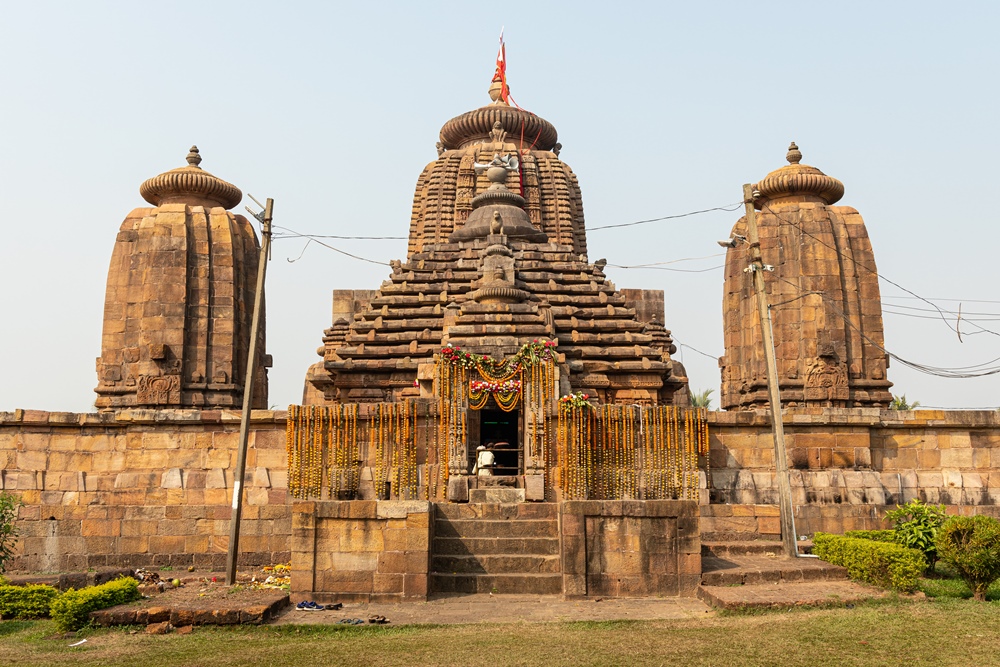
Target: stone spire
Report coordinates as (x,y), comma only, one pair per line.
(827,312)
(179,297)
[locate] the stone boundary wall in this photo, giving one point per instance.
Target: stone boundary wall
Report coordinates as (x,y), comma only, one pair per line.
(142,488)
(848,466)
(361,550)
(630,548)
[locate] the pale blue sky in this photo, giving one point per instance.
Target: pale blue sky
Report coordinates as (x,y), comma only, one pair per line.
(333,109)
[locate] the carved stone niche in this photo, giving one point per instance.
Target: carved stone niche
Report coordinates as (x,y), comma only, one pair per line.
(158,390)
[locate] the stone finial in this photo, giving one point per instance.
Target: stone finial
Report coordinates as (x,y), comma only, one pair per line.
(794,155)
(190,184)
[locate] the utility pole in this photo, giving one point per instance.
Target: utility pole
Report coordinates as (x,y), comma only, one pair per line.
(241,456)
(756,269)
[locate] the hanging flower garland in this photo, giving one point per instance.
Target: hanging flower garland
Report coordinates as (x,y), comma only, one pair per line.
(503,379)
(506,394)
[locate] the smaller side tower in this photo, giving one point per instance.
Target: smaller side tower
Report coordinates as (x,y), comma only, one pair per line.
(179,298)
(824,294)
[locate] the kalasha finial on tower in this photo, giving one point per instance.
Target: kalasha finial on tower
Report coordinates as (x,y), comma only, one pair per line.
(794,155)
(194,157)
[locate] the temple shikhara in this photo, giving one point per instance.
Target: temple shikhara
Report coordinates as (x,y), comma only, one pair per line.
(826,308)
(497,416)
(497,258)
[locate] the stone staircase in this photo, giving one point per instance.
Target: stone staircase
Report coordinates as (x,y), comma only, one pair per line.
(496,548)
(745,574)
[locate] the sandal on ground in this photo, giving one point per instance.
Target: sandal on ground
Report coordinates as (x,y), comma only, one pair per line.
(335,606)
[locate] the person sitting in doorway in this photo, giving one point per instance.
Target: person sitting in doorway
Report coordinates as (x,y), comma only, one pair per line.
(484,461)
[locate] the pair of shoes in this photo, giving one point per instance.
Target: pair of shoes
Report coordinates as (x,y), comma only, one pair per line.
(350,621)
(335,606)
(377,620)
(309,605)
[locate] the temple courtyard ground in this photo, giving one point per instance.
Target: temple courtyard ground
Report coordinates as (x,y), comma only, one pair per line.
(942,631)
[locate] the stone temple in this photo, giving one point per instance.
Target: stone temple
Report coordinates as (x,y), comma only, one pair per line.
(602,480)
(497,257)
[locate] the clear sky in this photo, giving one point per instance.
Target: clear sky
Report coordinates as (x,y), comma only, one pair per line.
(333,109)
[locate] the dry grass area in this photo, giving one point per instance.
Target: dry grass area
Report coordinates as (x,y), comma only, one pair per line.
(933,632)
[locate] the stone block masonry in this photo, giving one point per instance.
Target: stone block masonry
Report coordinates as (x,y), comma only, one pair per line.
(361,550)
(849,465)
(142,488)
(629,548)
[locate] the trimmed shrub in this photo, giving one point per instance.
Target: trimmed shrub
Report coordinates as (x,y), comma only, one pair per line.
(71,610)
(971,544)
(916,525)
(31,601)
(880,563)
(875,535)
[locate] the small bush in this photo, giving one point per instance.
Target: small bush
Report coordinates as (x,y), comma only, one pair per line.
(971,544)
(21,602)
(916,526)
(71,610)
(876,535)
(879,563)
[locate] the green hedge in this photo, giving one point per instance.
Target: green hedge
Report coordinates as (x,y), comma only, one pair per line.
(876,535)
(31,601)
(879,563)
(71,610)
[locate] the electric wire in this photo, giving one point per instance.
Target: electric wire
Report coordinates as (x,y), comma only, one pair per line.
(728,207)
(952,373)
(872,270)
(312,239)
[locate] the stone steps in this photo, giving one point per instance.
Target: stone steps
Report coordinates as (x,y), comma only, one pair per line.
(500,584)
(496,564)
(757,574)
(485,528)
(464,546)
(766,568)
(502,548)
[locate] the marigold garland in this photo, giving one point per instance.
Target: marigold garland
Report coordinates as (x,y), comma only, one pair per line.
(622,452)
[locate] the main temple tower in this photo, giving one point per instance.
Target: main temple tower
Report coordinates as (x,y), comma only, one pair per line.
(497,257)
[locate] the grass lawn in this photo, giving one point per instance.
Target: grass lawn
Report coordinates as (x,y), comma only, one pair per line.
(942,631)
(945,583)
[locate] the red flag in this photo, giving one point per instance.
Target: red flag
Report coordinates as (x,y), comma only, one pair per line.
(501,71)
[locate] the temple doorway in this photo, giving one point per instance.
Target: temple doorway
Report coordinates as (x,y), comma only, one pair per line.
(500,431)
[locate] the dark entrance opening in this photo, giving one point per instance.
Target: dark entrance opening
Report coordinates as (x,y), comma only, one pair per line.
(499,430)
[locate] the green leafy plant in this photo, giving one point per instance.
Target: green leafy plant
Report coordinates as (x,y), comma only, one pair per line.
(71,610)
(702,399)
(21,602)
(880,563)
(916,525)
(9,505)
(900,403)
(971,544)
